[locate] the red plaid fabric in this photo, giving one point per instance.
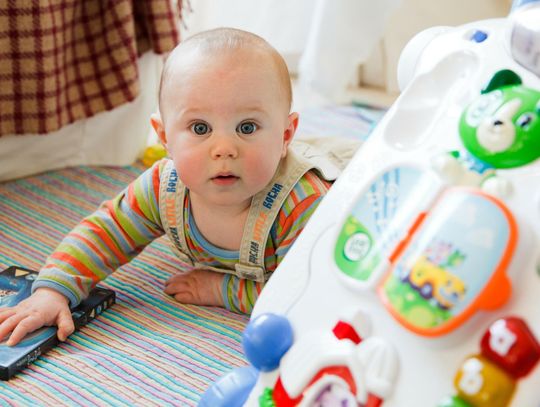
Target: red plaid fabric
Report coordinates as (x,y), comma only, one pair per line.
(65,60)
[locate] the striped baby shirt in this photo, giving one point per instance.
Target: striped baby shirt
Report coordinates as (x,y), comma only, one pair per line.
(123,226)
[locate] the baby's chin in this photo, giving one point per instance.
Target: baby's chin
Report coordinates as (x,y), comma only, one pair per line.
(226,199)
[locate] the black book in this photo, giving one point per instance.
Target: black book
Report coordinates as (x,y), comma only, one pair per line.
(15,286)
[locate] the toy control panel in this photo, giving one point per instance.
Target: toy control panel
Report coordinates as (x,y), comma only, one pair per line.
(417,281)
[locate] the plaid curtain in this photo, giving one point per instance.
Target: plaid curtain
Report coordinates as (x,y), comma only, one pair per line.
(65,60)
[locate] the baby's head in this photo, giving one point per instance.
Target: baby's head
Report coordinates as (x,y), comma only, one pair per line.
(225,99)
(222,42)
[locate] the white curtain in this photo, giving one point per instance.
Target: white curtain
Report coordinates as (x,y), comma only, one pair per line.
(323,41)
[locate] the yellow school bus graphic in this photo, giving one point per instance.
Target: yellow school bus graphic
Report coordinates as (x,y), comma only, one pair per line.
(435,282)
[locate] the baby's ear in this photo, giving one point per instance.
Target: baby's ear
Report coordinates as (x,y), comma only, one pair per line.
(157,124)
(288,134)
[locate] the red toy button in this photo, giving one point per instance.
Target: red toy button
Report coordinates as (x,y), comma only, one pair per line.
(511,345)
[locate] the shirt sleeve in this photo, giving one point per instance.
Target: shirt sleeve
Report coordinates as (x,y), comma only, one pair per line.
(239,294)
(295,214)
(106,239)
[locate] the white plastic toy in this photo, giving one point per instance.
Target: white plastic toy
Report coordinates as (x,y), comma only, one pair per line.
(417,281)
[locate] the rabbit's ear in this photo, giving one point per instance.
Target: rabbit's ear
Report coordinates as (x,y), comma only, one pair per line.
(501,78)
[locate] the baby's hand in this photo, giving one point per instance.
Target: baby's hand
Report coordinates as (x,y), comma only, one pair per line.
(200,287)
(45,307)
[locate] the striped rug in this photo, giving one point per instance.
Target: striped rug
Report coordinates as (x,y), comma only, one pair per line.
(147,349)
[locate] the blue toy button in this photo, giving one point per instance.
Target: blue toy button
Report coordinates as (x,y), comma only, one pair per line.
(266,339)
(232,390)
(479,36)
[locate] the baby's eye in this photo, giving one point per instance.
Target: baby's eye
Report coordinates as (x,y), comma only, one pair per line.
(200,128)
(524,120)
(246,128)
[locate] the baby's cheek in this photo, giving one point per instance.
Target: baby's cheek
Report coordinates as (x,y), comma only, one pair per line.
(189,169)
(261,169)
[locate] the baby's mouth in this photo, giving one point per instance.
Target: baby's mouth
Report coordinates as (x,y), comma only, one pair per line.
(225,179)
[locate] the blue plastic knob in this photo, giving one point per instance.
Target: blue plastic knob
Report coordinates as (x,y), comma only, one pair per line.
(232,390)
(266,339)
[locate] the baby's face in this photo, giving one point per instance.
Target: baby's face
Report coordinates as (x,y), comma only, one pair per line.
(227,125)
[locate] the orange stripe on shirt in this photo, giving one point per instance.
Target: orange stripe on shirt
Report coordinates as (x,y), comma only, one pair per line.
(156,171)
(319,185)
(241,287)
(133,202)
(296,212)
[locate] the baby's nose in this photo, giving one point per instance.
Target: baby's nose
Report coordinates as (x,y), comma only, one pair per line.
(224,146)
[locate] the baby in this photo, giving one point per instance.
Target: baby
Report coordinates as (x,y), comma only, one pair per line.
(232,197)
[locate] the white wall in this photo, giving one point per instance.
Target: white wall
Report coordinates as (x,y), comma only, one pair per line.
(287,24)
(323,41)
(284,25)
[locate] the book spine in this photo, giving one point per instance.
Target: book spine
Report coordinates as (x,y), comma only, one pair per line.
(83,316)
(29,358)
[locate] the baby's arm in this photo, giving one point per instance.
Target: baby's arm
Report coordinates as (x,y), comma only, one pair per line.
(105,240)
(102,242)
(204,287)
(240,295)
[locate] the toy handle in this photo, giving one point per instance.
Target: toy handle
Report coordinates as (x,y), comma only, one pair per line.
(518,3)
(525,37)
